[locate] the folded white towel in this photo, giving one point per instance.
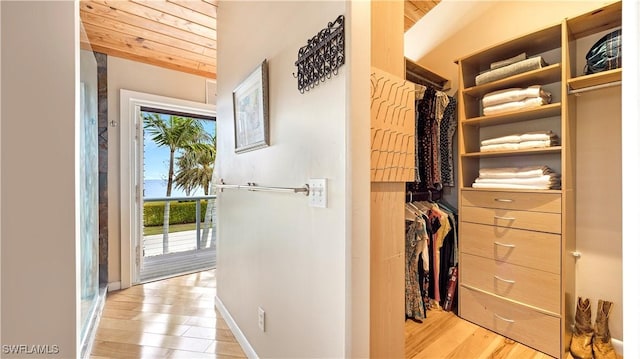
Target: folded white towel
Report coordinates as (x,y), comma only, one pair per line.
(534,171)
(511,95)
(538,180)
(538,136)
(500,147)
(530,102)
(519,138)
(501,140)
(514,172)
(512,186)
(535,144)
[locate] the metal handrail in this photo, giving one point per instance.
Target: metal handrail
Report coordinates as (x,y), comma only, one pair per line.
(164,199)
(255,188)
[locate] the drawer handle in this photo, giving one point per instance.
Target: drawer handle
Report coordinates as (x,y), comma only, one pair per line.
(505,200)
(505,218)
(503,318)
(504,280)
(504,245)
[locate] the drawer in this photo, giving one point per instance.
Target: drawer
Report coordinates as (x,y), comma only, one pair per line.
(531,249)
(521,284)
(535,221)
(526,201)
(527,326)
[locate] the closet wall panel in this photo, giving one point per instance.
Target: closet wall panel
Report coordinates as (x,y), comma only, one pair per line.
(599,199)
(387,203)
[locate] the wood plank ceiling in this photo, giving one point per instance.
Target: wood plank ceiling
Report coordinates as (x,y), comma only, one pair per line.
(414,10)
(175,34)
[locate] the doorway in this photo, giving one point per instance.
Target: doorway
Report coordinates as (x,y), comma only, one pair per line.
(167,147)
(178,193)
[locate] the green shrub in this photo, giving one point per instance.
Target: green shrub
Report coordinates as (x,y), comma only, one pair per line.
(180,212)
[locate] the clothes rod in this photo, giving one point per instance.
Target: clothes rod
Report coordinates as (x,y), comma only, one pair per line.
(438,86)
(255,188)
(595,87)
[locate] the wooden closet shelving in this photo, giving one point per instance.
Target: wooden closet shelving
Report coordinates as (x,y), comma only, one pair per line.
(544,75)
(601,78)
(549,110)
(517,271)
(600,20)
(532,151)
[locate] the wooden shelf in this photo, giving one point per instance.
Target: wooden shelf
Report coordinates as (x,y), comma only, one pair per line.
(600,78)
(515,116)
(548,74)
(529,151)
(602,19)
(534,43)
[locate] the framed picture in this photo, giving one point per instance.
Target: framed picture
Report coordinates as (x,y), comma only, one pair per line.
(251,110)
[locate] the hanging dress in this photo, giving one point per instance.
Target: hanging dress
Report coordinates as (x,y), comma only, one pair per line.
(414,242)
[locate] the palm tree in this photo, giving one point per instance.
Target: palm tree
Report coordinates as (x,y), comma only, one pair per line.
(175,133)
(195,169)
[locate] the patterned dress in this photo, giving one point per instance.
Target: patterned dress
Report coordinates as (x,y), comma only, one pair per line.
(414,242)
(448,127)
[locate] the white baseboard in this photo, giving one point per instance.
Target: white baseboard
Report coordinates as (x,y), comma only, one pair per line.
(114,286)
(617,345)
(242,340)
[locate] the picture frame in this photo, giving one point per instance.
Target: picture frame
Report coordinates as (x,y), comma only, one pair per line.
(251,110)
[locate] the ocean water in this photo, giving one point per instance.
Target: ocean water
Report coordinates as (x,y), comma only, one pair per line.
(154,188)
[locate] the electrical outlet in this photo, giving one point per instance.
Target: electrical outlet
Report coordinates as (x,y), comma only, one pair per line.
(261,318)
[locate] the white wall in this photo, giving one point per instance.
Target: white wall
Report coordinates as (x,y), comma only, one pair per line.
(40,74)
(135,76)
(274,250)
(630,188)
(0,178)
(599,271)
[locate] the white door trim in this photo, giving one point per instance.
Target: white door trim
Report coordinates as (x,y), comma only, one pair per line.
(131,169)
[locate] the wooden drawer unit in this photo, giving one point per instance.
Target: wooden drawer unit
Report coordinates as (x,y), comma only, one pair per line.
(524,201)
(535,221)
(524,248)
(523,324)
(521,284)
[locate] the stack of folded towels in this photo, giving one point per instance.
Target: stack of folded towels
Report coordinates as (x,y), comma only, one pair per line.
(537,177)
(510,67)
(540,139)
(513,99)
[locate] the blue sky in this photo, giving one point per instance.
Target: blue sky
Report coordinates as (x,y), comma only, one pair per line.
(156,159)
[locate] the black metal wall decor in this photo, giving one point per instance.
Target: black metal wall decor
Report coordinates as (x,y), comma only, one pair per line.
(322,56)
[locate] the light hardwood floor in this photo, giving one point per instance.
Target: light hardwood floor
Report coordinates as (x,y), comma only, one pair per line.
(175,318)
(171,318)
(445,335)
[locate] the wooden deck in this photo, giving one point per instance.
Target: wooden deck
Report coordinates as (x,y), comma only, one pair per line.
(183,256)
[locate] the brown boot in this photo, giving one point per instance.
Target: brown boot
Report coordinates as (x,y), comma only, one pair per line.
(582,332)
(602,347)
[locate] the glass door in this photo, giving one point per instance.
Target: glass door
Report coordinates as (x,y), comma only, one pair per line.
(178,194)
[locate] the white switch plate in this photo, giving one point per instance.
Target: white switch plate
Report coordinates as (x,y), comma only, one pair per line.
(261,318)
(318,192)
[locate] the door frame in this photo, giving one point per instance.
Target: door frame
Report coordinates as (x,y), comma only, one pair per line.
(131,142)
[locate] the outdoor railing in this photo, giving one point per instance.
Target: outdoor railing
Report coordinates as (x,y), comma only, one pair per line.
(198,213)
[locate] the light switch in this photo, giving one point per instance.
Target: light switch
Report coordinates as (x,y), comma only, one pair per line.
(318,192)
